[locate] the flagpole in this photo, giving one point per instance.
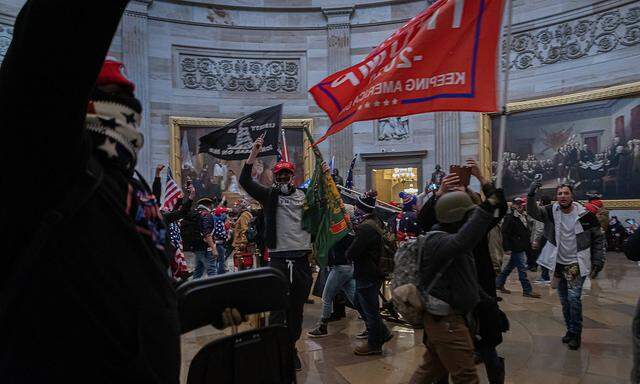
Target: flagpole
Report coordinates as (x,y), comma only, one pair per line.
(379,202)
(505,89)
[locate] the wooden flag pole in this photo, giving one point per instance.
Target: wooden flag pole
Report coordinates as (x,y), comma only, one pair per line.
(505,90)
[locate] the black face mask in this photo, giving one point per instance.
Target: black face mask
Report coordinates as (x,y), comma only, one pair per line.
(284,188)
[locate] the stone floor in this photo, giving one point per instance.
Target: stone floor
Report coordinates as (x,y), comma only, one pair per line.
(532,348)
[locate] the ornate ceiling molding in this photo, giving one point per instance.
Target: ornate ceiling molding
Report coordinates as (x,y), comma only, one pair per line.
(243,72)
(599,33)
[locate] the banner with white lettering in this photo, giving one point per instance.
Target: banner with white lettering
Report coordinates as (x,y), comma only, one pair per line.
(234,140)
(443,59)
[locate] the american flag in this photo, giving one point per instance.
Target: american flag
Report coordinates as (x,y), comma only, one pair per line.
(178,264)
(172,193)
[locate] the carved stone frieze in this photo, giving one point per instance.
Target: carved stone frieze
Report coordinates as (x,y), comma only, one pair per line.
(6,34)
(587,36)
(240,74)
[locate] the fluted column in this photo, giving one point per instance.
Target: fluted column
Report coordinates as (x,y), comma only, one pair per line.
(135,56)
(447,132)
(339,57)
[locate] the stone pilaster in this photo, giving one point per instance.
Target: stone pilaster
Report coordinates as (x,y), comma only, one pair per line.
(447,135)
(135,56)
(338,58)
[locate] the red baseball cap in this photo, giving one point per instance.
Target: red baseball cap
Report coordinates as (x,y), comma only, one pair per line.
(284,166)
(591,208)
(597,203)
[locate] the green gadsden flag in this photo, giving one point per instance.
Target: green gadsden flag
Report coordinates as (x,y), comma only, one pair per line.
(324,215)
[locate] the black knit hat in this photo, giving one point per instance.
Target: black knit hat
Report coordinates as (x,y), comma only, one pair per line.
(367,202)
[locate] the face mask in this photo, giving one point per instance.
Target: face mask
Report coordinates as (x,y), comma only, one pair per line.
(285,188)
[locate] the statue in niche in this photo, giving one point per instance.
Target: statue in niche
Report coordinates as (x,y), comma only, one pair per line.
(393,129)
(437,176)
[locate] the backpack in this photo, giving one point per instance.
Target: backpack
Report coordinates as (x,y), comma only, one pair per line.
(219,229)
(252,230)
(190,230)
(387,251)
(406,279)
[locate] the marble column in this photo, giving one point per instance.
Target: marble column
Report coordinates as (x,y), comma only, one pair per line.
(135,56)
(338,58)
(447,139)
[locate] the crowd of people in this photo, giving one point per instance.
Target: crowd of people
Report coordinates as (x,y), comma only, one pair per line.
(92,264)
(616,170)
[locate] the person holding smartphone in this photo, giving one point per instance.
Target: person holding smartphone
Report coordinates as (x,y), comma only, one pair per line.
(489,332)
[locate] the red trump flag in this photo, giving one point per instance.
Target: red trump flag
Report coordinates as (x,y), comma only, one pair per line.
(443,59)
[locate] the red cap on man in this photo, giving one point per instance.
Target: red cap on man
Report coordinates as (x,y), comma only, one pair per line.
(598,203)
(591,207)
(282,166)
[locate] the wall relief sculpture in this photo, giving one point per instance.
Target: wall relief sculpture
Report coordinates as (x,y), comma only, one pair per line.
(587,36)
(219,16)
(393,129)
(6,34)
(239,74)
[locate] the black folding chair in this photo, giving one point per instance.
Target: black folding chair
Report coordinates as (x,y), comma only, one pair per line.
(263,355)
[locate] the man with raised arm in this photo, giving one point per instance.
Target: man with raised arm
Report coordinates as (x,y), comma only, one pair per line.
(85,293)
(289,245)
(574,250)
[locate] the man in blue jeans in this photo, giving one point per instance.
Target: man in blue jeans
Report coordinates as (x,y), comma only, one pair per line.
(340,279)
(365,253)
(574,250)
(205,249)
(516,243)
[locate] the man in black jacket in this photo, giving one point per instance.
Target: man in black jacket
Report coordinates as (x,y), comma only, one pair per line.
(289,245)
(97,302)
(489,333)
(516,242)
(453,291)
(365,253)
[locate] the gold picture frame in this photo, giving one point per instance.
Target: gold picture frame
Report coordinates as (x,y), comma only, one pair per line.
(617,91)
(178,123)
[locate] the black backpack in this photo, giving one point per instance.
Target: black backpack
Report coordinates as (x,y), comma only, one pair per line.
(388,248)
(190,230)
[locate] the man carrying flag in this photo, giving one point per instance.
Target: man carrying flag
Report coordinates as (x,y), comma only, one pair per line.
(324,213)
(174,208)
(288,243)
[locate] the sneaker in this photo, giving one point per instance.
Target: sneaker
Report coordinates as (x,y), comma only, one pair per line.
(363,335)
(532,295)
(319,331)
(364,350)
(297,364)
(504,290)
